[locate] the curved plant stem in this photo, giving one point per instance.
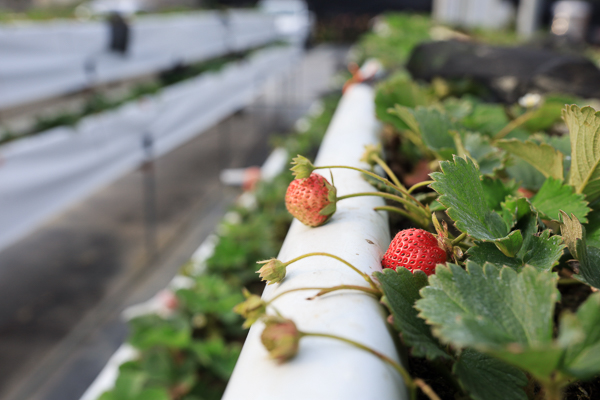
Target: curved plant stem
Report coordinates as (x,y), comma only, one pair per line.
(418,185)
(323,291)
(459,238)
(364,275)
(425,388)
(400,188)
(401,212)
(512,125)
(388,171)
(408,380)
(389,196)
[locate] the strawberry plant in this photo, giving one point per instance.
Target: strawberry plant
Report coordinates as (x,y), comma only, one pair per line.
(507,202)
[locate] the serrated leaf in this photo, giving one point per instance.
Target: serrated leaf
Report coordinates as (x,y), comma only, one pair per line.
(582,358)
(571,230)
(524,173)
(401,290)
(541,252)
(435,128)
(543,157)
(488,119)
(398,89)
(589,262)
(592,229)
(584,130)
(487,378)
(495,310)
(544,251)
(462,193)
(511,244)
(428,126)
(496,190)
(480,148)
(554,196)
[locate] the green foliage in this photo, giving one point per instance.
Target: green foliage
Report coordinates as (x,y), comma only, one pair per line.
(497,311)
(398,89)
(584,130)
(190,352)
(588,256)
(392,44)
(487,378)
(462,193)
(543,157)
(554,196)
(401,290)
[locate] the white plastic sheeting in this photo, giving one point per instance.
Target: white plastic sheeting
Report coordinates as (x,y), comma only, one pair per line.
(49,59)
(42,174)
(325,369)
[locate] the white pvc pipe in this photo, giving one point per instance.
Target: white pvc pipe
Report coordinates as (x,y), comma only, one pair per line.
(327,369)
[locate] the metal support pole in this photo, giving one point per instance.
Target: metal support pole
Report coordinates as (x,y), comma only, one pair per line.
(150,212)
(528,17)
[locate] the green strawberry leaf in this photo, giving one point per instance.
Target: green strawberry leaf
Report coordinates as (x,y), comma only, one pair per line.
(480,148)
(582,358)
(461,191)
(589,263)
(541,252)
(511,244)
(401,290)
(574,235)
(435,127)
(584,129)
(554,196)
(524,173)
(543,157)
(457,108)
(488,119)
(495,191)
(487,378)
(430,126)
(398,89)
(496,311)
(592,229)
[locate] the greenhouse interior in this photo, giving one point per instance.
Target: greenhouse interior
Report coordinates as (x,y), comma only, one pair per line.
(300,200)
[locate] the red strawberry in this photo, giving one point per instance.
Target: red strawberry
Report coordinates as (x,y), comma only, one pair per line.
(311,200)
(414,249)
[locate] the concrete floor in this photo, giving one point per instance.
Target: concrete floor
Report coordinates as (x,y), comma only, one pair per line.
(63,287)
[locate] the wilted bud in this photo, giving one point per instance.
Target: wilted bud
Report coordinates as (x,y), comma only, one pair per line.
(281,338)
(302,167)
(371,151)
(272,271)
(252,309)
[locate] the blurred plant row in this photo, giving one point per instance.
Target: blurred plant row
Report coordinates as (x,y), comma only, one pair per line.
(188,350)
(97,101)
(513,193)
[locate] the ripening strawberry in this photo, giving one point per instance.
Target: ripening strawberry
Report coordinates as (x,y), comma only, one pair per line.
(311,200)
(414,249)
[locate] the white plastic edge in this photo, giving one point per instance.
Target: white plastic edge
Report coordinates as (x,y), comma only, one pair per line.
(327,369)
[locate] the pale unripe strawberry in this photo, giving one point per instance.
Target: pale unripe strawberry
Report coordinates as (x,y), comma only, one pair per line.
(311,200)
(414,249)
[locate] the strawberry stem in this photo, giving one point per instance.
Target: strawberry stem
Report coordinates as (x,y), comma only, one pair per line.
(389,196)
(512,125)
(323,291)
(409,382)
(400,188)
(364,275)
(459,239)
(388,171)
(418,185)
(404,214)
